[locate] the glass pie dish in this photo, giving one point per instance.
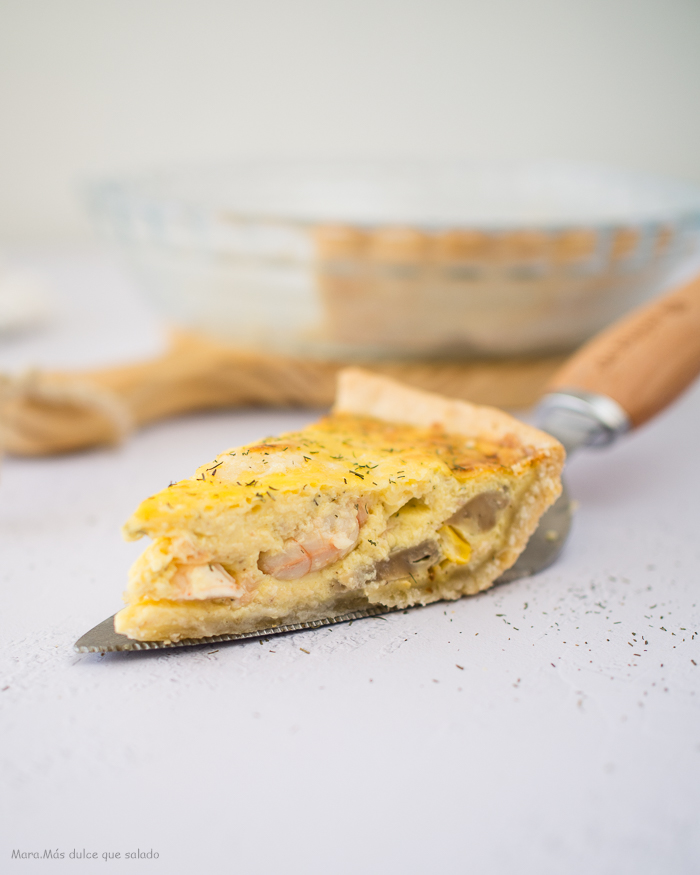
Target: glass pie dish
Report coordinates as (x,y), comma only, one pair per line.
(344,261)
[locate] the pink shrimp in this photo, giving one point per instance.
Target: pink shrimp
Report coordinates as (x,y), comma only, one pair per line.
(327,544)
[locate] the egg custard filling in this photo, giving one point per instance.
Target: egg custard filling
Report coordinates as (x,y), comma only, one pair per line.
(397,498)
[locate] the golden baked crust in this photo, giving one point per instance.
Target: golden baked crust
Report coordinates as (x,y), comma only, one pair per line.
(399,497)
(367,394)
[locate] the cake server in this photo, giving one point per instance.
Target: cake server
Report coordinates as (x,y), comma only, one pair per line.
(613,384)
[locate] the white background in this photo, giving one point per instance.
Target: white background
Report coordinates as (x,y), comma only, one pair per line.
(568,744)
(89,87)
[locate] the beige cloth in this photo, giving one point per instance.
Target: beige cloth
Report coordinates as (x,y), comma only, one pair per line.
(44,413)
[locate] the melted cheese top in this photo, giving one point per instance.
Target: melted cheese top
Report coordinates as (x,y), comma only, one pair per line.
(342,452)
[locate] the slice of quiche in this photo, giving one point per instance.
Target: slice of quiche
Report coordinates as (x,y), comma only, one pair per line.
(398,498)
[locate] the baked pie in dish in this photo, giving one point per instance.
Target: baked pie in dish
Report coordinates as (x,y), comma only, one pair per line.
(399,497)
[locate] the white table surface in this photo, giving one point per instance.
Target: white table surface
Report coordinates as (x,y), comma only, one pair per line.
(568,742)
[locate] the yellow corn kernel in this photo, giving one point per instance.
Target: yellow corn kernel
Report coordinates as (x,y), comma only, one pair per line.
(454,546)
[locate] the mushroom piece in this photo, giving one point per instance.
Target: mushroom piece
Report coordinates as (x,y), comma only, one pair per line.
(480,513)
(404,563)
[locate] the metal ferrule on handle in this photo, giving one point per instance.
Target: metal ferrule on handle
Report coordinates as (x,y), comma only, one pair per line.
(581,419)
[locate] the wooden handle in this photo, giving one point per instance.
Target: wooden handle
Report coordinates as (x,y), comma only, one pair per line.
(644,360)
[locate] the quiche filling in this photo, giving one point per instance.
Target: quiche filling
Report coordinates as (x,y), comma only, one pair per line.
(351,511)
